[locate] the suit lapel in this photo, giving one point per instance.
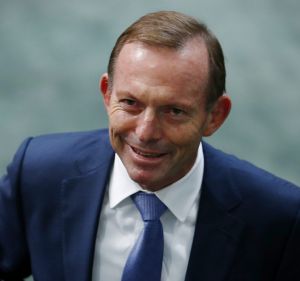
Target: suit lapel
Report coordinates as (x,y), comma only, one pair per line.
(82,198)
(217,231)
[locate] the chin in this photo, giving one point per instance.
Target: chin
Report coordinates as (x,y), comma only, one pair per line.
(146,183)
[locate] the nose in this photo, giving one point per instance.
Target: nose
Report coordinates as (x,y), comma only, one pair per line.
(148,128)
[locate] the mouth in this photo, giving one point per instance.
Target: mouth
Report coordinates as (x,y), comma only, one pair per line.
(147,154)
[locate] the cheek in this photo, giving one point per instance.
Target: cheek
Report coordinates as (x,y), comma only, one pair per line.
(185,135)
(120,121)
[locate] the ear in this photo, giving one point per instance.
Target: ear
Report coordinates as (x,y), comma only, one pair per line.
(104,89)
(217,115)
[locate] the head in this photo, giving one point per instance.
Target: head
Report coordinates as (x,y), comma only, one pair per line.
(163,92)
(169,29)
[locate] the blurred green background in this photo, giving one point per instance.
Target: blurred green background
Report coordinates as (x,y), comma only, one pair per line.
(53,52)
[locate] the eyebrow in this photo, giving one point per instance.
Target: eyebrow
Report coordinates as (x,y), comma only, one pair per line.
(169,103)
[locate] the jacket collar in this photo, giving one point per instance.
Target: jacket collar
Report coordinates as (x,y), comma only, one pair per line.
(82,198)
(217,231)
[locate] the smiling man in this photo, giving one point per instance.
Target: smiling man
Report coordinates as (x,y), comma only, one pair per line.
(157,109)
(148,199)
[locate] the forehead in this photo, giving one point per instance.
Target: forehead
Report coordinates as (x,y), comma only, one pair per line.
(188,64)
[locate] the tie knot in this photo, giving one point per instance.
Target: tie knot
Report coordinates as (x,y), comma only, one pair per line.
(149,205)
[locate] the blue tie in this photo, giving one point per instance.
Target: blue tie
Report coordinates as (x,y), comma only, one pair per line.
(145,259)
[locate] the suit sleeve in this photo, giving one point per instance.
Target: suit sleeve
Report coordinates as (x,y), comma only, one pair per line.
(289,269)
(14,256)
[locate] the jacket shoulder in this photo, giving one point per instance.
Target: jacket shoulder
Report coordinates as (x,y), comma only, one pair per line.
(56,155)
(62,147)
(250,180)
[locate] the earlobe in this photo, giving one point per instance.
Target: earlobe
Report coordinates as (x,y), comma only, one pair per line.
(217,115)
(104,89)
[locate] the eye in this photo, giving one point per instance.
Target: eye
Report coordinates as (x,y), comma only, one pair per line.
(130,105)
(128,102)
(176,111)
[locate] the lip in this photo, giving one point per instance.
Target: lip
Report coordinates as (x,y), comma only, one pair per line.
(147,153)
(142,156)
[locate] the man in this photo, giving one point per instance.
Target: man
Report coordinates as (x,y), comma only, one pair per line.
(69,205)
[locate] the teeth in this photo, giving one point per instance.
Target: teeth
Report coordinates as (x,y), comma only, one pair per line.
(150,155)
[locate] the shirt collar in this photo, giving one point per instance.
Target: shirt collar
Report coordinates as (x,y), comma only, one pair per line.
(179,197)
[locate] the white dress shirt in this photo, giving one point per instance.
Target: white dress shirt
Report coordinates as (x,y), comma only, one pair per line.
(120,223)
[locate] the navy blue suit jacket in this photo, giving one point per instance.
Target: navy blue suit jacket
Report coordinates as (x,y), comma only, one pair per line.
(247,227)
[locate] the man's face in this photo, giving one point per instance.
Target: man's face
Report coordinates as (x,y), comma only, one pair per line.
(156,110)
